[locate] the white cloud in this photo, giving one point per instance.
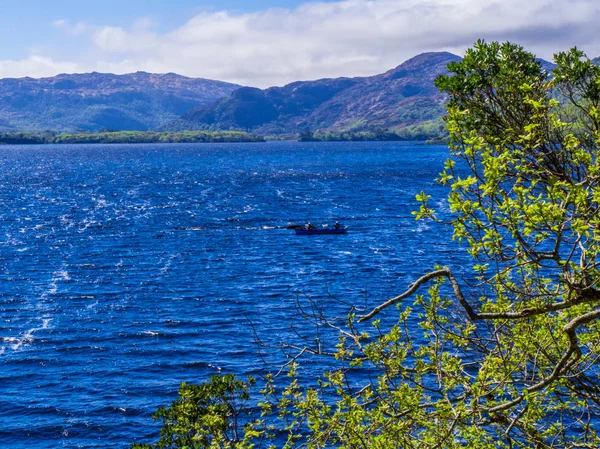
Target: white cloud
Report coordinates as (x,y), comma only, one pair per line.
(344,38)
(36,66)
(67,27)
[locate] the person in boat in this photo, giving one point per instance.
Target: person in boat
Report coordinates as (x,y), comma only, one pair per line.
(337,225)
(309,225)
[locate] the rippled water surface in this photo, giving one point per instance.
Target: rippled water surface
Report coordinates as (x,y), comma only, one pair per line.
(125,270)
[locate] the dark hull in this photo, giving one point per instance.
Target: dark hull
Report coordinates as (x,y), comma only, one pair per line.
(320,231)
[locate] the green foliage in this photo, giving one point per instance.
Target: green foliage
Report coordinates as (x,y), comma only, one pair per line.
(213,414)
(22,138)
(511,358)
(378,135)
(429,130)
(308,136)
(426,130)
(129,137)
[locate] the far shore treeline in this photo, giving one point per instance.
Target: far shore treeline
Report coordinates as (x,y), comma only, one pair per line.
(124,137)
(377,135)
(49,137)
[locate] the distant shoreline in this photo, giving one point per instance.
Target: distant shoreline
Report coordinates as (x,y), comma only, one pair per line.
(166,137)
(369,136)
(125,137)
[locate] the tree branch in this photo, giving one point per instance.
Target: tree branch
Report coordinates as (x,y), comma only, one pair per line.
(411,289)
(563,364)
(589,295)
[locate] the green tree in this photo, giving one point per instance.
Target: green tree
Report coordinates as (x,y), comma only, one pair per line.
(213,414)
(508,358)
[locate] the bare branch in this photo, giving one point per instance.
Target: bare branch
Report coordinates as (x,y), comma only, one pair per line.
(407,293)
(589,295)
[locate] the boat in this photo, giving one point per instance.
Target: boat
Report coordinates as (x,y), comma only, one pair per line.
(321,231)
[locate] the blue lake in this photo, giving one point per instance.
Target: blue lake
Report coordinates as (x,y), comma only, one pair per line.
(128,269)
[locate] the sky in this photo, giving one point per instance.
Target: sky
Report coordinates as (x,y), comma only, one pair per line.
(272,42)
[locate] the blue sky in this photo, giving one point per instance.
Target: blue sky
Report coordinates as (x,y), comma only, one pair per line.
(272,42)
(30,21)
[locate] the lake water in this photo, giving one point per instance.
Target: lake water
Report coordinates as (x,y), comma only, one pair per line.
(126,270)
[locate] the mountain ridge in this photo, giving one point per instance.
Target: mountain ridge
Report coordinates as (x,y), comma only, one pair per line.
(98,101)
(403,98)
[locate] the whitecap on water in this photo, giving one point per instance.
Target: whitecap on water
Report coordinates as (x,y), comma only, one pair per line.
(43,306)
(165,268)
(218,368)
(151,333)
(421,227)
(16,343)
(61,275)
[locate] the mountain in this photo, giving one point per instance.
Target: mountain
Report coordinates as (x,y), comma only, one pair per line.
(546,65)
(97,101)
(596,61)
(403,99)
